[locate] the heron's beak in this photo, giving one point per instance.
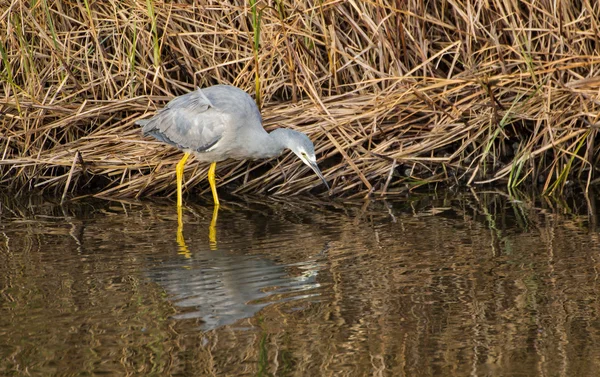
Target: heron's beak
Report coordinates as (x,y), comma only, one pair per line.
(315,168)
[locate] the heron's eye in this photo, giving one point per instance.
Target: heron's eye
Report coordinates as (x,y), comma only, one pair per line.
(304,155)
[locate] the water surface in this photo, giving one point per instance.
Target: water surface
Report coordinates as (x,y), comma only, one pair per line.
(427,286)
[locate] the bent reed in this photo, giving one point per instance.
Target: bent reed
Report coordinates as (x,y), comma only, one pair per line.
(394,94)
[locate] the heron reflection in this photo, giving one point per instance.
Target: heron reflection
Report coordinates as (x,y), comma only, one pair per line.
(221,288)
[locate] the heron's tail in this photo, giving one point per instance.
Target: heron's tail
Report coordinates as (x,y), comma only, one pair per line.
(145,128)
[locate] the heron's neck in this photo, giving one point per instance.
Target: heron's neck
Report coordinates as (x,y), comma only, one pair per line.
(277,143)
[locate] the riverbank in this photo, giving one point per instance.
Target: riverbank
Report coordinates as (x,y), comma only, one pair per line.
(394,95)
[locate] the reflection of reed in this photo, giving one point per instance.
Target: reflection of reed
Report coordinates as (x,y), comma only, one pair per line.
(479,285)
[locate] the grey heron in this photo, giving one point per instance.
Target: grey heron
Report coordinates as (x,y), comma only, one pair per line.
(221,122)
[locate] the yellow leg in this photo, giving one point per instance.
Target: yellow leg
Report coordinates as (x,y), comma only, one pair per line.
(179,171)
(212,229)
(213,182)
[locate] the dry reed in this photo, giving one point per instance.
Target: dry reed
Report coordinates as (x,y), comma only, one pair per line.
(395,94)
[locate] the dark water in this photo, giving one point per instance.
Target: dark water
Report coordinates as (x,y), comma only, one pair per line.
(429,286)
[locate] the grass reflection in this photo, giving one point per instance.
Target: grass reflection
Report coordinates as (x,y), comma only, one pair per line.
(479,284)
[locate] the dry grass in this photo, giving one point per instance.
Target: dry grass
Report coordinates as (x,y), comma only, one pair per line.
(395,94)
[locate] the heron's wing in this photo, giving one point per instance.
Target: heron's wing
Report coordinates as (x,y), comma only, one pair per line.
(187,122)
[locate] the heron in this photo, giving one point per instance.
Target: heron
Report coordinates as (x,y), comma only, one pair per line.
(222,122)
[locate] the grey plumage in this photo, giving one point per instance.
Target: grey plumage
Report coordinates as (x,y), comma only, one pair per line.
(221,122)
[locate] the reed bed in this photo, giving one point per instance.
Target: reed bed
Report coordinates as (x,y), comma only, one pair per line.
(395,94)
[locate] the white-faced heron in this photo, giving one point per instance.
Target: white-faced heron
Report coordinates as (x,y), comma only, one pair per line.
(221,122)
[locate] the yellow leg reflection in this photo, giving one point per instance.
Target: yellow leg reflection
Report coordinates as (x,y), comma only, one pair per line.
(179,171)
(183,250)
(212,232)
(212,229)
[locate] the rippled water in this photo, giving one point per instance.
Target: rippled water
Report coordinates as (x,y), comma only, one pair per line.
(480,285)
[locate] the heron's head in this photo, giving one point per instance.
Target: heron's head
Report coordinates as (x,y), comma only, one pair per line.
(302,147)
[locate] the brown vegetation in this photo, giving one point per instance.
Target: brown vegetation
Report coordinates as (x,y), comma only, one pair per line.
(395,94)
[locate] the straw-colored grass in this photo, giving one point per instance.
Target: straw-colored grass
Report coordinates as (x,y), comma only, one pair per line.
(395,94)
